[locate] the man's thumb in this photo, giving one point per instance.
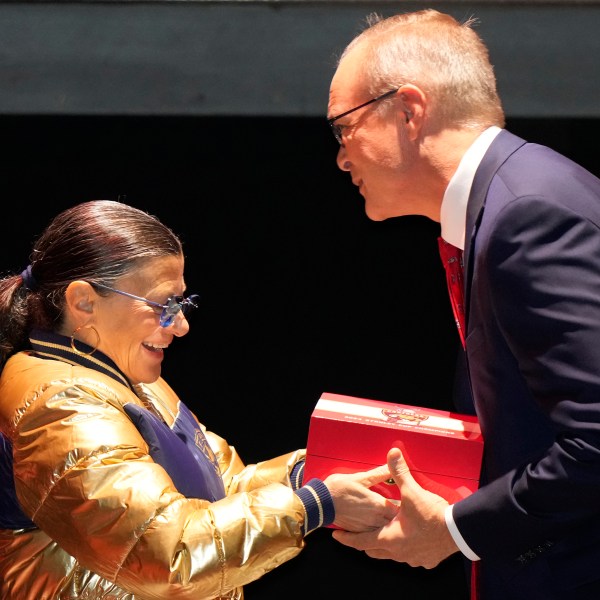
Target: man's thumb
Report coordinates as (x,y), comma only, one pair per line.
(398,467)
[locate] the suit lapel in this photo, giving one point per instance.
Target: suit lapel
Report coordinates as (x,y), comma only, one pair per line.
(501,148)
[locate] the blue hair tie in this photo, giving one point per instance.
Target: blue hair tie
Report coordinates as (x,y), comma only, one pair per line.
(29,280)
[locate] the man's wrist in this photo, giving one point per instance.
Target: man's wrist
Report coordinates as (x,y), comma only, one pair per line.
(456,535)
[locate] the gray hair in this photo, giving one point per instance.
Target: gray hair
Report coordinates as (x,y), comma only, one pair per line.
(444,58)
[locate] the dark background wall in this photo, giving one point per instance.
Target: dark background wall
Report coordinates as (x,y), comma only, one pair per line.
(267,57)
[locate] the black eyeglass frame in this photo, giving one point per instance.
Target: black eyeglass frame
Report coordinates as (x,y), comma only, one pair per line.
(337,129)
(170,310)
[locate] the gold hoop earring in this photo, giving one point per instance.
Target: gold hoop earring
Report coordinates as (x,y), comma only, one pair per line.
(73,340)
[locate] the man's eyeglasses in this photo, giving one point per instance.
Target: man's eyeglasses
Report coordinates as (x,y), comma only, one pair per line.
(337,129)
(168,311)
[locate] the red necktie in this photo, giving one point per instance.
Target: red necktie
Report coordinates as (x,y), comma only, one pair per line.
(475,580)
(452,258)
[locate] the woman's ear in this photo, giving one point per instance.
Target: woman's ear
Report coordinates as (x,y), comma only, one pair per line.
(80,300)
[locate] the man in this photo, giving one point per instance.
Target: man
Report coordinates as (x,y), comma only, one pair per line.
(414,106)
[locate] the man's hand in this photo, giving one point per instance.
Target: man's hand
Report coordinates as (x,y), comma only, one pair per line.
(417,535)
(357,508)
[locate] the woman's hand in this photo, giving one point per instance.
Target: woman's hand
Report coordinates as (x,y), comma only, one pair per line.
(357,508)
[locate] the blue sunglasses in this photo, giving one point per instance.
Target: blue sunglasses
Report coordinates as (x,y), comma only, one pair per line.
(168,311)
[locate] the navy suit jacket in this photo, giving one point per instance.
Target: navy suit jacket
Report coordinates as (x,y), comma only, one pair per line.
(532,303)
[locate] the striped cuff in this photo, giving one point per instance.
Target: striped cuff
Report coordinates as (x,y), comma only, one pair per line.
(296,475)
(318,505)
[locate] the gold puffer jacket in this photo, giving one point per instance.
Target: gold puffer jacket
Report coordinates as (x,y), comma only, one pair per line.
(109,522)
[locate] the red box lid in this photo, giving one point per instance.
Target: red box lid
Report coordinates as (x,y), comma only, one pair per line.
(362,430)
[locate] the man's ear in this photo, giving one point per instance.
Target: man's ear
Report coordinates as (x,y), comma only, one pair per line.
(80,299)
(413,102)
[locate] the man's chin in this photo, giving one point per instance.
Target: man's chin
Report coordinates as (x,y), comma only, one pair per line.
(375,213)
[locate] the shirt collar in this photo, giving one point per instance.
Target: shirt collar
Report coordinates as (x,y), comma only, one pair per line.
(47,344)
(453,212)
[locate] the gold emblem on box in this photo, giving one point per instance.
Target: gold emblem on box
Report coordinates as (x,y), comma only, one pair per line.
(404,414)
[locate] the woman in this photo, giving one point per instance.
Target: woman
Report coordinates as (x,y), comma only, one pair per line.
(111,488)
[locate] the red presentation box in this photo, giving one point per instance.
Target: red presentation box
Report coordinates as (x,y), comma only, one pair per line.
(442,449)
